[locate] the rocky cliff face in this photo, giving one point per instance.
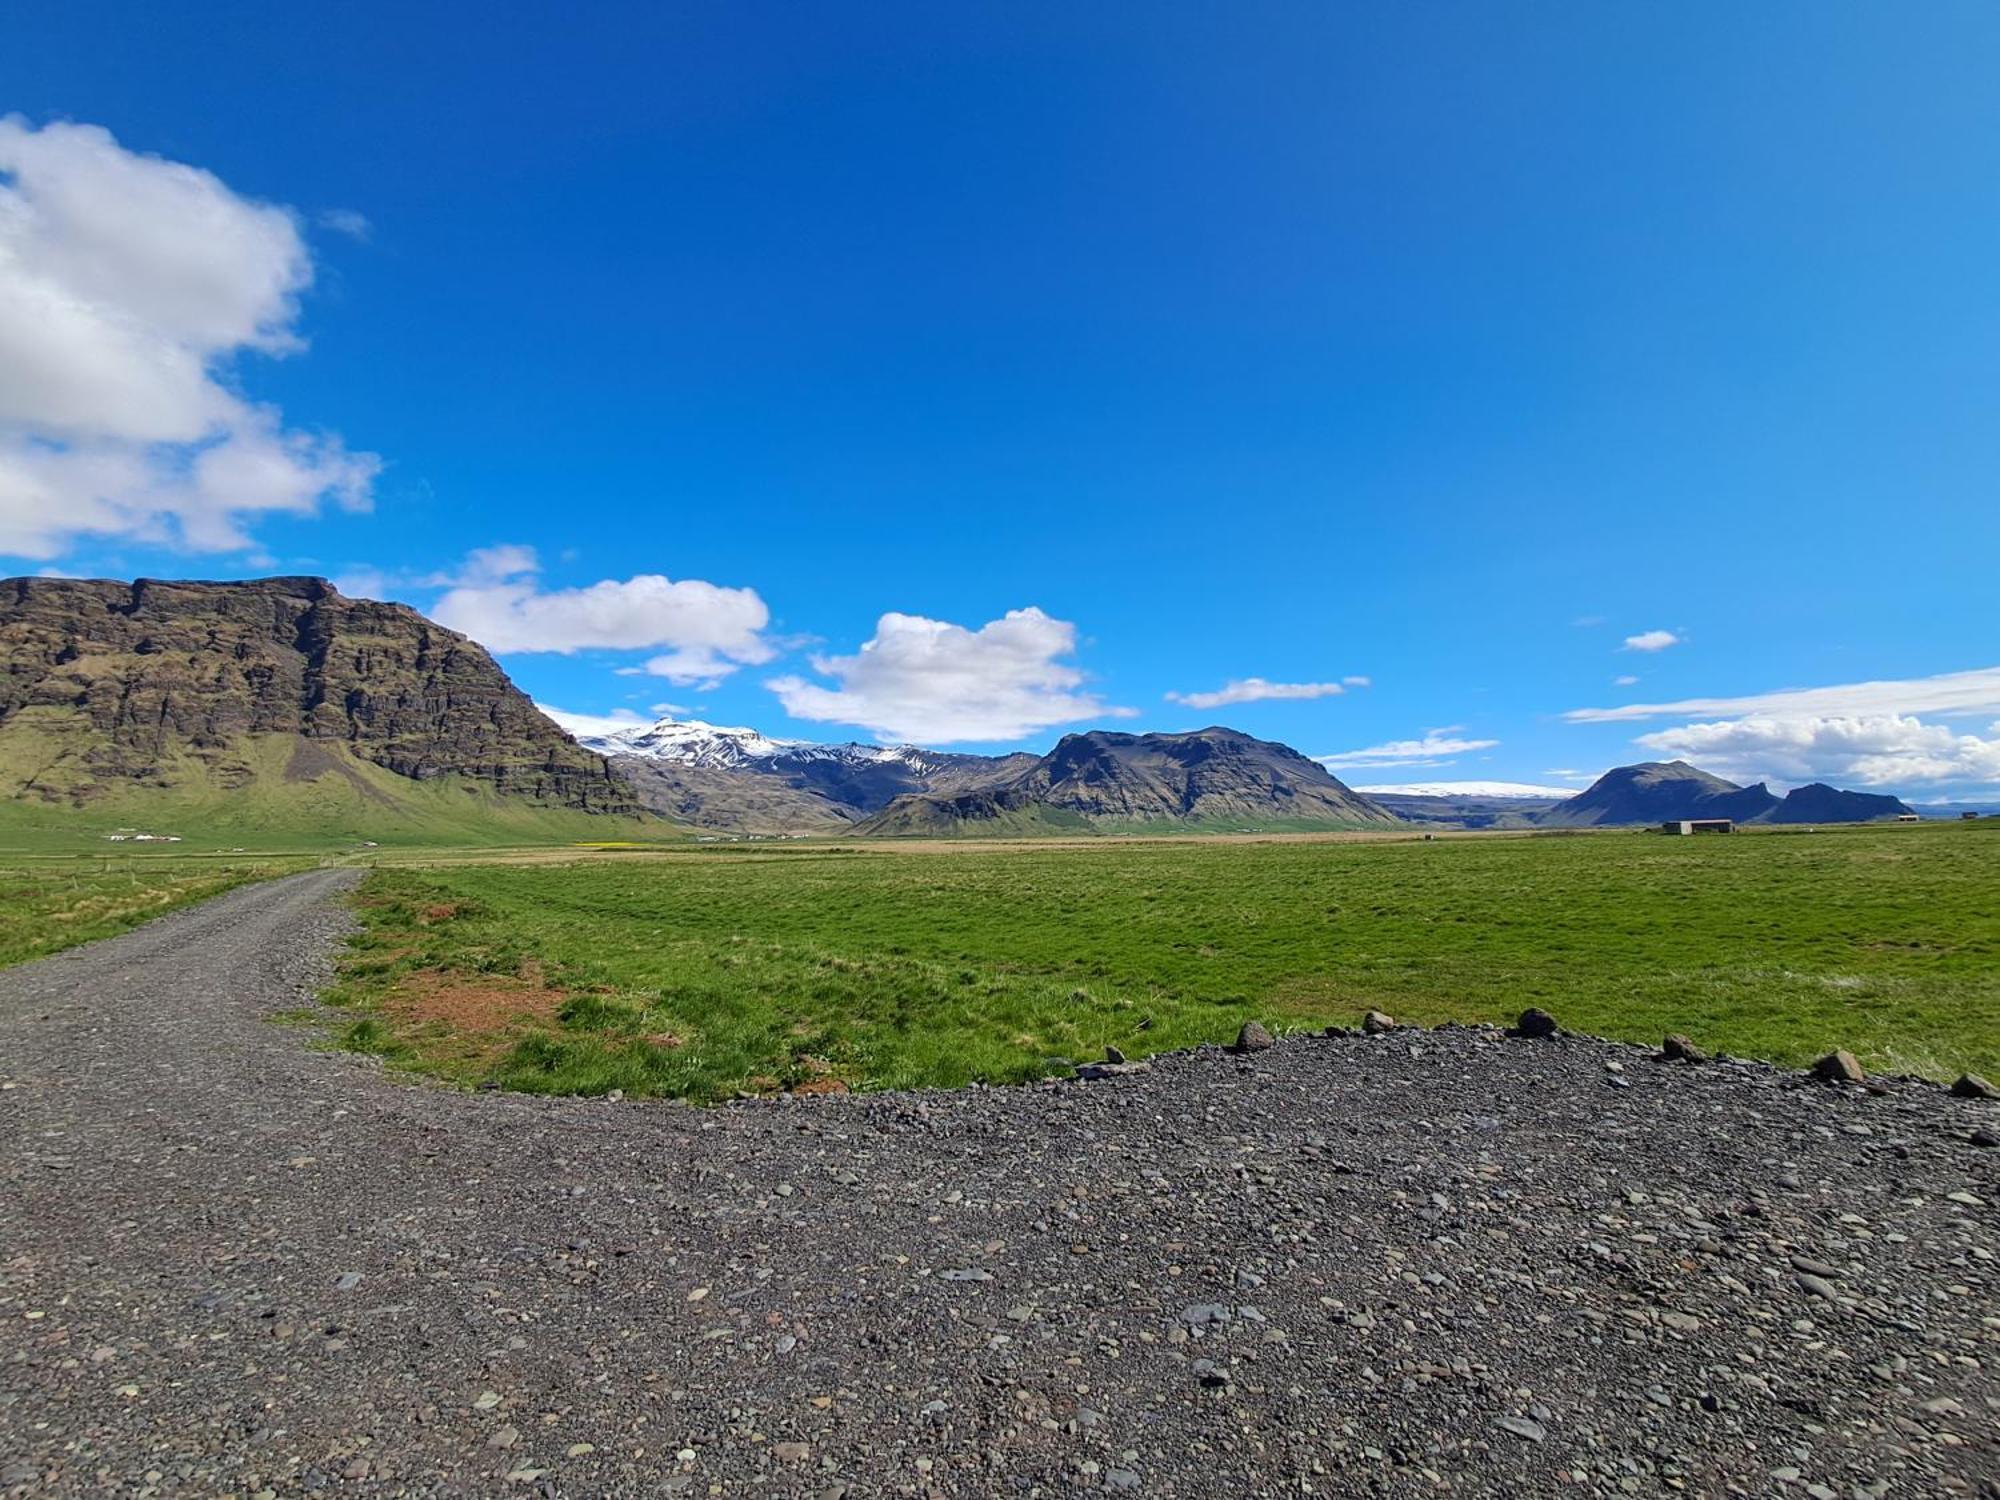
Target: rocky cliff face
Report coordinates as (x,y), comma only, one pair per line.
(110,684)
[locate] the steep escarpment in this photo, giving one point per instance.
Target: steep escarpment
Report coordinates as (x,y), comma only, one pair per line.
(108,687)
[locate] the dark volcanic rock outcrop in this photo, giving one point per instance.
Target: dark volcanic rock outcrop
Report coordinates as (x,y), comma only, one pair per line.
(107,685)
(1210,778)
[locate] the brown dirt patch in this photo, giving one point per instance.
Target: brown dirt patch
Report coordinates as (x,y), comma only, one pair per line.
(442,911)
(821,1086)
(484,1006)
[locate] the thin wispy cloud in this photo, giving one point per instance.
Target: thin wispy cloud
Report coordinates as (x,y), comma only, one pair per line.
(1651,640)
(1973,692)
(347,221)
(1258,690)
(1438,747)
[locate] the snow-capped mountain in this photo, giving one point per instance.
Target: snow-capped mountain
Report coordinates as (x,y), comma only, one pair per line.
(690,742)
(1497,790)
(728,747)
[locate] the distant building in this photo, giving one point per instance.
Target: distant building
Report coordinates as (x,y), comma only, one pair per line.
(1968,815)
(1699,825)
(1909,817)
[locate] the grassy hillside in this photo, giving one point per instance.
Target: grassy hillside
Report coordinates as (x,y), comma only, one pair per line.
(697,975)
(284,792)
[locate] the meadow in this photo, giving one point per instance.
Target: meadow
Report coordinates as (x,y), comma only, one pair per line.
(702,974)
(49,904)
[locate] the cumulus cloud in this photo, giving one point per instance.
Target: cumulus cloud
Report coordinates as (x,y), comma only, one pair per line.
(1877,750)
(1651,640)
(578,726)
(1436,748)
(1975,692)
(709,630)
(127,286)
(938,683)
(1257,690)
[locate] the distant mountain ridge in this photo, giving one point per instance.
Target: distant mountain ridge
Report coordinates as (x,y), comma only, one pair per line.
(1672,791)
(739,780)
(1210,778)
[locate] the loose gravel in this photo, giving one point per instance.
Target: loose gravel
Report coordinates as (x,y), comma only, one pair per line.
(1412,1262)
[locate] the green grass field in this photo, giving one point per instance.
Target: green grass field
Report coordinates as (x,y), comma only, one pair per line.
(698,975)
(51,904)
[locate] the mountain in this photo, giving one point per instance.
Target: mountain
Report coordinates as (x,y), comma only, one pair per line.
(738,780)
(1661,792)
(247,702)
(1658,792)
(1820,803)
(1212,779)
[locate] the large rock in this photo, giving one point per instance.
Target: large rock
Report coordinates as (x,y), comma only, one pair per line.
(1536,1022)
(1678,1048)
(1839,1067)
(1253,1038)
(1972,1086)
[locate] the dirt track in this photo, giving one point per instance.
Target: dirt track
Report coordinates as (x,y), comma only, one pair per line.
(1425,1263)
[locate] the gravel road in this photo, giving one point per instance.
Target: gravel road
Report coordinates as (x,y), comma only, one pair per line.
(1443,1262)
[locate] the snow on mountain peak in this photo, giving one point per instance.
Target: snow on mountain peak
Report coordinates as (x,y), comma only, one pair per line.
(692,742)
(1493,789)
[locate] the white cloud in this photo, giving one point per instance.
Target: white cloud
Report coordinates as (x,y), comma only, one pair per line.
(1651,640)
(579,725)
(1974,692)
(1436,748)
(937,683)
(349,222)
(127,285)
(1879,750)
(709,630)
(1627,680)
(1570,773)
(1257,690)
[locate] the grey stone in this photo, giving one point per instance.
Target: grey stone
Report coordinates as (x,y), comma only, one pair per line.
(1253,1038)
(1839,1067)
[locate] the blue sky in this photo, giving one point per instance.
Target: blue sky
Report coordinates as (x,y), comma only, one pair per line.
(1078,362)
